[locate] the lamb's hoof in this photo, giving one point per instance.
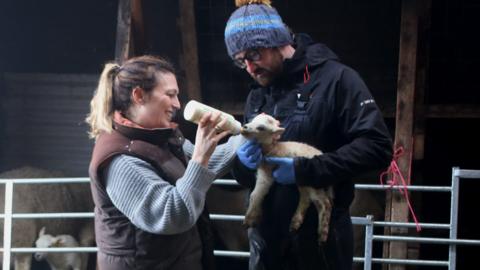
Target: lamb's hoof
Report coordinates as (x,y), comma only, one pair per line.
(296,223)
(322,239)
(294,226)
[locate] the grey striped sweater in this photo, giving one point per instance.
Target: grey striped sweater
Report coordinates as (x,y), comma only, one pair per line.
(154,205)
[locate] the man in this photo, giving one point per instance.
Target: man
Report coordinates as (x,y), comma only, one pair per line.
(318,101)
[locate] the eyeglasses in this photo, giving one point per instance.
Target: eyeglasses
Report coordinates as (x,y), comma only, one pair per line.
(250,55)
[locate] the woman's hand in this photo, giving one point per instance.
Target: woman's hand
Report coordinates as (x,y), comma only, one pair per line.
(207,138)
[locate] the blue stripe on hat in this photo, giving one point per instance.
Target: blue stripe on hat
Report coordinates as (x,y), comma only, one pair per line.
(249,20)
(253,27)
(256,17)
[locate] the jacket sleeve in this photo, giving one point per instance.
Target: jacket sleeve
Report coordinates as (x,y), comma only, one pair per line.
(153,204)
(360,123)
(222,158)
(243,175)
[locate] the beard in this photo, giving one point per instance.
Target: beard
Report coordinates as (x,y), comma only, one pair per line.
(265,76)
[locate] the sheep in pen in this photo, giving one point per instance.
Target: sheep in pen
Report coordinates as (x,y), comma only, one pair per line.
(45,198)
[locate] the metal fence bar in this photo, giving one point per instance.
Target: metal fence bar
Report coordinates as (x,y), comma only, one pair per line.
(55,249)
(51,215)
(228,253)
(429,240)
(225,182)
(364,186)
(241,254)
(410,262)
(409,188)
(75,180)
(466,173)
(411,225)
(452,249)
(7,225)
(367,264)
(227,217)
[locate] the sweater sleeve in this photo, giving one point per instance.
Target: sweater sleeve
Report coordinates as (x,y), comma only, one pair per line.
(223,157)
(360,122)
(151,203)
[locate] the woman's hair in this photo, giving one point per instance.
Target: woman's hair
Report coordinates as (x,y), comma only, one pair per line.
(115,87)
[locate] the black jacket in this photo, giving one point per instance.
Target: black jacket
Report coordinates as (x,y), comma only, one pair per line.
(326,104)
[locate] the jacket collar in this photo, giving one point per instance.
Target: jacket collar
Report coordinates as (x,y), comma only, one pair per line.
(307,53)
(159,136)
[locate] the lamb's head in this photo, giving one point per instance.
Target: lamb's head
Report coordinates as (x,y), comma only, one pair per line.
(45,241)
(263,128)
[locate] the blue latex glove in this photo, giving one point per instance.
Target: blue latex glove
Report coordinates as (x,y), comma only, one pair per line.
(285,172)
(250,154)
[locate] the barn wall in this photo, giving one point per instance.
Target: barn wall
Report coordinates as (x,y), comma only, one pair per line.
(43,121)
(56,36)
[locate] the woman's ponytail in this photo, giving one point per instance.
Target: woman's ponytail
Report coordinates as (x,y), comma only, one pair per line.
(100,117)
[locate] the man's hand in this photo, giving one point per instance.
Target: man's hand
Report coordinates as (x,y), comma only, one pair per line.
(250,154)
(285,172)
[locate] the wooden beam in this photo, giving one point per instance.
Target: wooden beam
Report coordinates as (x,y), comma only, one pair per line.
(453,111)
(189,55)
(447,111)
(396,206)
(123,44)
(138,28)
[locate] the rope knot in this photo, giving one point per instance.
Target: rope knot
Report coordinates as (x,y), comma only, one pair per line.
(397,179)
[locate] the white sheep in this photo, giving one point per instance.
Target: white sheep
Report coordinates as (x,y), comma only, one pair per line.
(266,130)
(60,261)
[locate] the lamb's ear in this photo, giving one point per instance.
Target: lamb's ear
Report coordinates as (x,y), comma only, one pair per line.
(42,232)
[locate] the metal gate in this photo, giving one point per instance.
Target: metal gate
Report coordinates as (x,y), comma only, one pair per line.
(368,222)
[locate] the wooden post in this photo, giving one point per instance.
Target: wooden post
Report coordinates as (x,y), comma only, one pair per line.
(123,44)
(189,56)
(138,28)
(419,130)
(130,30)
(396,205)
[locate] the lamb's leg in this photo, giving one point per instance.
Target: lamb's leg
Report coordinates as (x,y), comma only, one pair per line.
(262,186)
(303,203)
(23,261)
(327,202)
(83,261)
(77,266)
(324,208)
(77,261)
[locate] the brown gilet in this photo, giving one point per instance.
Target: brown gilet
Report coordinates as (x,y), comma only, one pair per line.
(121,244)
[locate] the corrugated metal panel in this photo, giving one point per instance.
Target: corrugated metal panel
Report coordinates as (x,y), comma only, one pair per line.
(43,121)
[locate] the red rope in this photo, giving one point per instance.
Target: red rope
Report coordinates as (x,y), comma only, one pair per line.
(398,179)
(306,75)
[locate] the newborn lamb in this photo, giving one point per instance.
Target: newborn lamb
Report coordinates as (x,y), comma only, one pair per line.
(266,130)
(60,261)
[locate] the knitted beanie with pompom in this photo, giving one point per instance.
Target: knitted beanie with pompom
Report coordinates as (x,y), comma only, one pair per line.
(255,24)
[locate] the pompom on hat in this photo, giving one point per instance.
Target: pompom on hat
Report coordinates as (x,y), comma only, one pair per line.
(255,24)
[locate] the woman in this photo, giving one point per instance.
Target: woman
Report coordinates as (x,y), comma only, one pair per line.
(149,199)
